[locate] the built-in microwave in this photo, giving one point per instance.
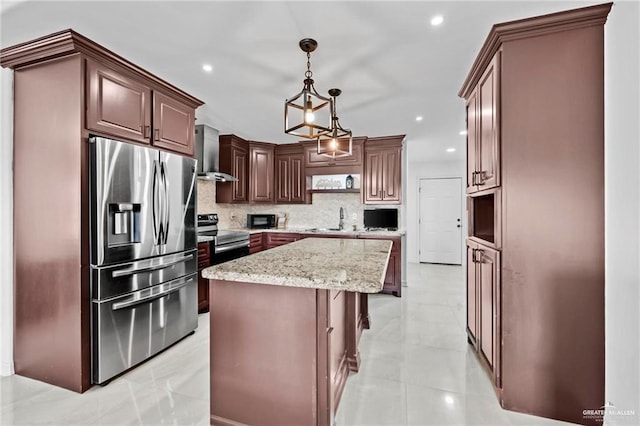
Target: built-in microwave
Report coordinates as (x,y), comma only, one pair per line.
(261,221)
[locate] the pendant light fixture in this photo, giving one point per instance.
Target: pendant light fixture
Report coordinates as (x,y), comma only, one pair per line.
(308,109)
(337,143)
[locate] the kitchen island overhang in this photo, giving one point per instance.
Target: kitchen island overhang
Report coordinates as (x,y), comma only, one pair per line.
(285,326)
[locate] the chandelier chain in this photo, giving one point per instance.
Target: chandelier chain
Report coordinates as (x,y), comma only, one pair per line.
(308,74)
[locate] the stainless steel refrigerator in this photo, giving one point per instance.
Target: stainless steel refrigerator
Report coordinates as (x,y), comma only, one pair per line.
(143,253)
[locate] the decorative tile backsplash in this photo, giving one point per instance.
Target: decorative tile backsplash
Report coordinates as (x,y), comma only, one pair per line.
(323,213)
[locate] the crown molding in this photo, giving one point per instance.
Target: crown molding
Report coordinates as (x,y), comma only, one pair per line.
(530,27)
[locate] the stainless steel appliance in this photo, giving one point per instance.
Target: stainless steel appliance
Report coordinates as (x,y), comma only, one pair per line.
(207,152)
(261,221)
(226,245)
(143,253)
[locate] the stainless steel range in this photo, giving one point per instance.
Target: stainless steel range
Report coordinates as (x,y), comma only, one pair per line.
(226,245)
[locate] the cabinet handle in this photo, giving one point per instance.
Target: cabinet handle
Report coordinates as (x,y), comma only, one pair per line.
(156,134)
(145,131)
(329,330)
(481,178)
(478,255)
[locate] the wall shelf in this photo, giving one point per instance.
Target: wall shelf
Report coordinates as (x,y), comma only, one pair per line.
(335,191)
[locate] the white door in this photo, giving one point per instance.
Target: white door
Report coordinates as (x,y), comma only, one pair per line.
(440,221)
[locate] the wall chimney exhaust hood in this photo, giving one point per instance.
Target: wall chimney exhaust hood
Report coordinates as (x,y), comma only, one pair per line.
(207,154)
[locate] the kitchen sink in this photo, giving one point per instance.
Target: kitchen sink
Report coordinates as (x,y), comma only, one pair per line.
(324,230)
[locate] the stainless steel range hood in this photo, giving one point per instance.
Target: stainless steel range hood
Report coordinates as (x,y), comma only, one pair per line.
(207,154)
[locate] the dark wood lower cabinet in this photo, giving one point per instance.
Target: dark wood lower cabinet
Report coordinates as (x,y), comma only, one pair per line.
(255,242)
(275,239)
(204,260)
(291,360)
(393,278)
(483,305)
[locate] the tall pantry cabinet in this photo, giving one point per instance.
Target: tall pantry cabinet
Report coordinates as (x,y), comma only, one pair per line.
(66,87)
(535,199)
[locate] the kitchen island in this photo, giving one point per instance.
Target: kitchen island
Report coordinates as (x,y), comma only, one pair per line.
(285,325)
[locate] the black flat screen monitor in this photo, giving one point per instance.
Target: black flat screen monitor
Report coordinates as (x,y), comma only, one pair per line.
(381,218)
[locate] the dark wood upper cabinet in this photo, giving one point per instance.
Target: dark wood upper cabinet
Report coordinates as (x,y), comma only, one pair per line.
(261,158)
(313,159)
(117,104)
(173,124)
(472,141)
(234,160)
(290,180)
(126,107)
(382,180)
(488,155)
(483,130)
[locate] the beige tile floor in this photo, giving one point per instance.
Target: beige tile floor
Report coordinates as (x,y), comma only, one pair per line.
(416,369)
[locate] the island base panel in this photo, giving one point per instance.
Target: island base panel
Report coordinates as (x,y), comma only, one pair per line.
(278,354)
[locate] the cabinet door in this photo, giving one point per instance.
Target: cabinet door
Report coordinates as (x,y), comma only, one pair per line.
(488,147)
(117,105)
(261,171)
(472,295)
(204,260)
(488,280)
(255,243)
(392,178)
(283,179)
(373,176)
(472,141)
(239,163)
(298,180)
(172,124)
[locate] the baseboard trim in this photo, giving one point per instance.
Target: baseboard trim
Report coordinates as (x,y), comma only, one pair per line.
(6,369)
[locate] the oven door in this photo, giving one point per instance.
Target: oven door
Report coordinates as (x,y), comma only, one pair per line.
(229,252)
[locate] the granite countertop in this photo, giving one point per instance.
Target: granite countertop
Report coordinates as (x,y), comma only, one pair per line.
(325,231)
(325,263)
(204,238)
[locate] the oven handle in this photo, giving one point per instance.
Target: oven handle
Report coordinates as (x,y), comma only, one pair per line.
(133,271)
(223,249)
(153,295)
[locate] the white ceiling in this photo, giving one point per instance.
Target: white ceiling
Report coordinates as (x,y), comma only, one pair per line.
(390,63)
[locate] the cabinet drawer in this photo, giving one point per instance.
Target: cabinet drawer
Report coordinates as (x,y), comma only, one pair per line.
(275,239)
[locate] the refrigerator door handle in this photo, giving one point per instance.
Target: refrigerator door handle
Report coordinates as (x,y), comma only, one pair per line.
(151,294)
(132,271)
(166,206)
(155,205)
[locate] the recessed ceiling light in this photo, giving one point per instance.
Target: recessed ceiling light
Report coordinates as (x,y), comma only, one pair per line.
(451,150)
(419,118)
(207,67)
(437,20)
(463,132)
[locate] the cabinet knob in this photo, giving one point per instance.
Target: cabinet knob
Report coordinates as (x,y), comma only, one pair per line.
(156,134)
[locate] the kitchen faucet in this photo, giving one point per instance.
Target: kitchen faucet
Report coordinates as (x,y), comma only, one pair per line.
(341,224)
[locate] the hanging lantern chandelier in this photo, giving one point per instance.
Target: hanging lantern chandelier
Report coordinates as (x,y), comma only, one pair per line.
(307,109)
(337,143)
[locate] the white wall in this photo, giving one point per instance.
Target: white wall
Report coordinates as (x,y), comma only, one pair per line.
(6,223)
(622,211)
(420,170)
